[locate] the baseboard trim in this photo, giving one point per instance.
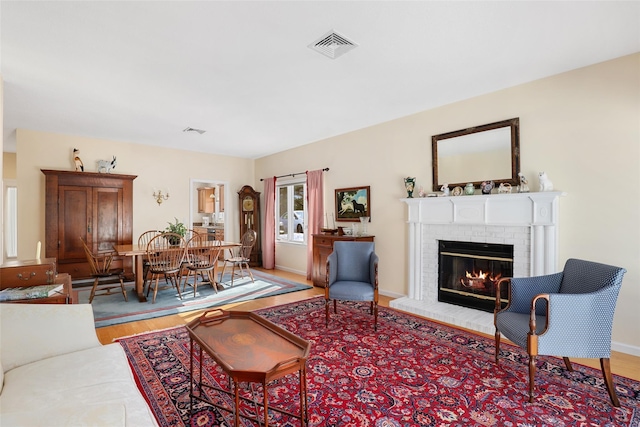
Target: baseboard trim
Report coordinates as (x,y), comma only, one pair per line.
(291,270)
(625,348)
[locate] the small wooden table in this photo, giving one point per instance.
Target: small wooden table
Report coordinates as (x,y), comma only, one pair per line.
(133,250)
(251,349)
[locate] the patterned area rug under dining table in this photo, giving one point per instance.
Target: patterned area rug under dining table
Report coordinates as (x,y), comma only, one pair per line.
(113,309)
(411,372)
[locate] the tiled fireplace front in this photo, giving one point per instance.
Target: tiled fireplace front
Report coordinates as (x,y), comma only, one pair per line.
(528,221)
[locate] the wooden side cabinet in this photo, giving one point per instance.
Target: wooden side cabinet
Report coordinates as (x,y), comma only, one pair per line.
(322,247)
(95,206)
(250,220)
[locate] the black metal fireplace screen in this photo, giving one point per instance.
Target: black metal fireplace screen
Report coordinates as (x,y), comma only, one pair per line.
(468,273)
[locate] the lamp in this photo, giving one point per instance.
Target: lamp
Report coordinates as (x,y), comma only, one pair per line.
(160,197)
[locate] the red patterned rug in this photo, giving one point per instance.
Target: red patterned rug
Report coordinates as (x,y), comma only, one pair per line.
(412,372)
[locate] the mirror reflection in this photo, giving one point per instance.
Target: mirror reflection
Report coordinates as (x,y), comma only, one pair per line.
(473,155)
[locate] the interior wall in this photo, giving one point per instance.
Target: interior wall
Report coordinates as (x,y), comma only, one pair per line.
(2,164)
(581,127)
(9,166)
(155,167)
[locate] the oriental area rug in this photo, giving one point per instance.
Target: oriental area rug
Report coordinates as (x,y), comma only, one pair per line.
(113,309)
(411,372)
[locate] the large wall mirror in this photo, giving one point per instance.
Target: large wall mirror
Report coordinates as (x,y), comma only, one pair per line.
(480,153)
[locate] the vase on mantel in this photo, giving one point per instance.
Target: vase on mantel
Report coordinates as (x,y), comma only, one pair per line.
(409,185)
(363,225)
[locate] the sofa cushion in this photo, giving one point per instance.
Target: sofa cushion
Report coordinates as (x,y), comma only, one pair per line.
(102,415)
(99,375)
(30,332)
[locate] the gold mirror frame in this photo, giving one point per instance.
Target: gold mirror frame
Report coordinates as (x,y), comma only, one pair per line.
(486,142)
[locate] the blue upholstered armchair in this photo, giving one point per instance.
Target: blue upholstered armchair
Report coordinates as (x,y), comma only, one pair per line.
(352,275)
(568,314)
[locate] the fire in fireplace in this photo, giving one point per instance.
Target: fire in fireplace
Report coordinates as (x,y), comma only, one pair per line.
(468,273)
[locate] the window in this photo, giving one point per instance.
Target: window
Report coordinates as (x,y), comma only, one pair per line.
(291,201)
(11,219)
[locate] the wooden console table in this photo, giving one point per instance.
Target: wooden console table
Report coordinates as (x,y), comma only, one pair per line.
(35,272)
(322,248)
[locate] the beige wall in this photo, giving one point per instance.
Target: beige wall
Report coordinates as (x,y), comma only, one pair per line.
(154,167)
(581,127)
(2,165)
(9,166)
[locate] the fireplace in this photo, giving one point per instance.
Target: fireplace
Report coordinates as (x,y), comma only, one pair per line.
(468,273)
(526,221)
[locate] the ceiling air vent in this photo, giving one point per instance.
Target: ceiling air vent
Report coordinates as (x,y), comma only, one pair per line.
(190,129)
(332,44)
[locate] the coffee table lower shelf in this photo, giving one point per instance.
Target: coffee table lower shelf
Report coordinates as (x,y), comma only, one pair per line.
(249,349)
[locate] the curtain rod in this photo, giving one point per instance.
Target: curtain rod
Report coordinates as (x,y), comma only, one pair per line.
(294,174)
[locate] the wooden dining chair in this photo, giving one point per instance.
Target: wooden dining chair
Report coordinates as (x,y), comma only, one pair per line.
(165,260)
(100,264)
(201,259)
(143,241)
(240,256)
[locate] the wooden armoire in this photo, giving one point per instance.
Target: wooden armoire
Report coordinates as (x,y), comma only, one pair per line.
(97,207)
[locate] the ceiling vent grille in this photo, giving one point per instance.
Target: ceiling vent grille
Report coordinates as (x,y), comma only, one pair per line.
(190,129)
(332,45)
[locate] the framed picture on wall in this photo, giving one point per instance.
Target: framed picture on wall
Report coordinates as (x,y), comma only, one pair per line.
(352,203)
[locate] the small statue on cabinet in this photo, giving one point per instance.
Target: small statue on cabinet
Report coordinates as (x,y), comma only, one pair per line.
(445,189)
(77,161)
(421,192)
(106,166)
(524,184)
(545,182)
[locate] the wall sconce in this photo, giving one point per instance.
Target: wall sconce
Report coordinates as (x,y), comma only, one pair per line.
(160,197)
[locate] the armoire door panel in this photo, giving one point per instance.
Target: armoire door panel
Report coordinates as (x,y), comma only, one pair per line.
(74,219)
(107,208)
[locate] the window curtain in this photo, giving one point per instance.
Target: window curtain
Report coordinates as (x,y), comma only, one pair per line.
(268,236)
(315,212)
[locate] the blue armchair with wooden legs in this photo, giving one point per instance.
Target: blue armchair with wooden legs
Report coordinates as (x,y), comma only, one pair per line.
(568,314)
(352,275)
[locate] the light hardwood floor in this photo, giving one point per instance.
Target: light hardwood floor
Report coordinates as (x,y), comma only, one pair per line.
(621,363)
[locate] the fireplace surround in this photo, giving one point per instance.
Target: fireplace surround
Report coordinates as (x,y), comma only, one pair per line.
(528,221)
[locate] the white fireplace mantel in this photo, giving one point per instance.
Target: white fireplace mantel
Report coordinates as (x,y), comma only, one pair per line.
(529,221)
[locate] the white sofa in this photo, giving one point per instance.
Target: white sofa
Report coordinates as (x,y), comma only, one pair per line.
(55,372)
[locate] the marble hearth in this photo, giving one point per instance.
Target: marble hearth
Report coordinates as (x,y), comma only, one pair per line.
(528,221)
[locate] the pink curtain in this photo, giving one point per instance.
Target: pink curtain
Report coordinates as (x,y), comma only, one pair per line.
(268,236)
(315,211)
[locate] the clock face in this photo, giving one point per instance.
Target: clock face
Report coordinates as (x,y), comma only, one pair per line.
(247,204)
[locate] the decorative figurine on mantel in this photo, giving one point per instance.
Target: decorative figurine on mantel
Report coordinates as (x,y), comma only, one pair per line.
(409,184)
(486,187)
(545,182)
(524,184)
(445,189)
(469,189)
(504,188)
(77,161)
(421,192)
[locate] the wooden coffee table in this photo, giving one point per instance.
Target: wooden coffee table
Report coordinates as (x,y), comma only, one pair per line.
(249,349)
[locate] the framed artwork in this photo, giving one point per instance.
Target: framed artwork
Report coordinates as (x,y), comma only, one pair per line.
(352,203)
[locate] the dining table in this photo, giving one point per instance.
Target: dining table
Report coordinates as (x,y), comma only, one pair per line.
(138,253)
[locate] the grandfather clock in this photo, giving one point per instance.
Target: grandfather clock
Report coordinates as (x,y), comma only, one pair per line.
(249,209)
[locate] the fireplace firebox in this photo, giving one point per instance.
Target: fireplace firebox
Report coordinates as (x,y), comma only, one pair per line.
(468,273)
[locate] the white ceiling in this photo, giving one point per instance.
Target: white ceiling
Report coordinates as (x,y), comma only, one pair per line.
(144,71)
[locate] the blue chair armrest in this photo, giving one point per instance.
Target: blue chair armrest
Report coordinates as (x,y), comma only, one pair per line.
(373,269)
(523,289)
(332,268)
